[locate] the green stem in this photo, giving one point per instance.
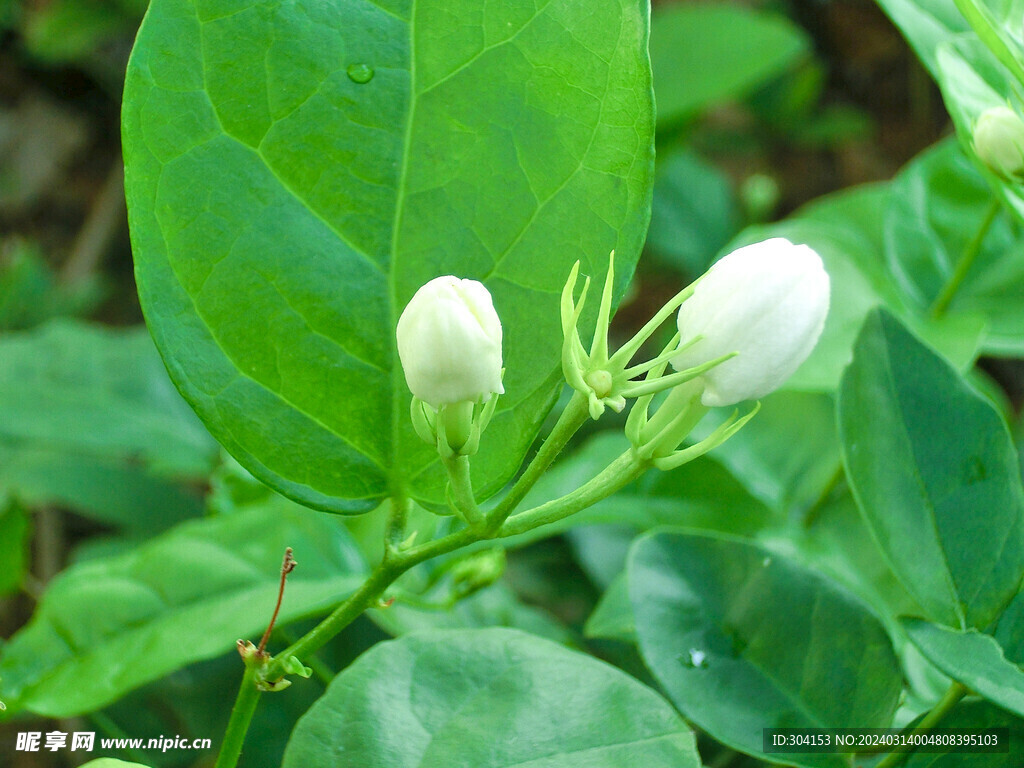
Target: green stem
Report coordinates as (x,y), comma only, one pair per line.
(241,717)
(366,596)
(396,562)
(572,418)
(946,703)
(624,470)
(462,490)
(967,259)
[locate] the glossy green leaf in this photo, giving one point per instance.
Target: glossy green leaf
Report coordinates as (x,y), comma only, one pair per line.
(935,474)
(296,170)
(110,762)
(840,544)
(972,658)
(107,626)
(743,639)
(704,53)
(15,533)
(939,203)
(92,422)
(975,716)
(487,698)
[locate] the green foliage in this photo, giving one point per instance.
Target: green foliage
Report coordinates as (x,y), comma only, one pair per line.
(939,203)
(694,213)
(705,53)
(935,474)
(488,698)
(294,172)
(91,422)
(328,199)
(972,658)
(109,625)
(708,612)
(15,533)
(30,292)
(789,455)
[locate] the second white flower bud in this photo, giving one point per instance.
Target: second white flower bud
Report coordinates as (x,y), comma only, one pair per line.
(766,303)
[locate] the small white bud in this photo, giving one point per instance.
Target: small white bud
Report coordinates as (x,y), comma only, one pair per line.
(449,342)
(765,302)
(999,142)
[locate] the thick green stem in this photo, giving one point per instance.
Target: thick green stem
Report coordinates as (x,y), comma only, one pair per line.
(241,717)
(624,470)
(946,703)
(967,259)
(572,418)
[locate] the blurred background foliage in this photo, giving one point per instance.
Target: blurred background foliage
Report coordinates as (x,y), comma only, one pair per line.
(763,106)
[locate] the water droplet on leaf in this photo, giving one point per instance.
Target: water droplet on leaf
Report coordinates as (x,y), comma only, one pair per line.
(360,73)
(695,659)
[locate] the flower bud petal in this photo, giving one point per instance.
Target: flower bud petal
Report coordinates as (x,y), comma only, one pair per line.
(999,142)
(449,342)
(765,302)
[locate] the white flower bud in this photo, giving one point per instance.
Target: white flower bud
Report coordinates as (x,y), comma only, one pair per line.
(765,302)
(449,342)
(999,142)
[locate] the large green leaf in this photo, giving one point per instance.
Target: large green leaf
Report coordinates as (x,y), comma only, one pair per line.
(743,639)
(92,422)
(487,698)
(107,626)
(295,170)
(972,658)
(935,474)
(703,53)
